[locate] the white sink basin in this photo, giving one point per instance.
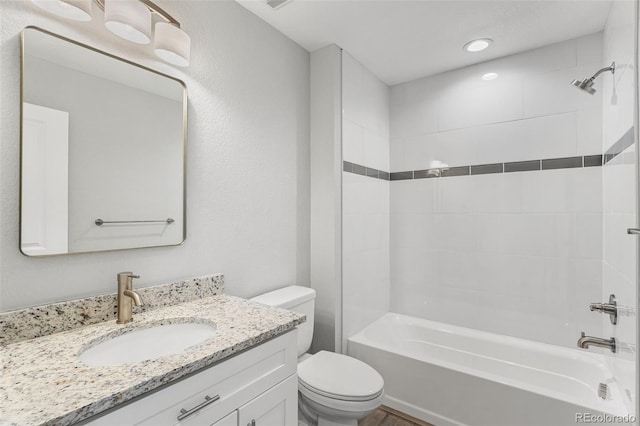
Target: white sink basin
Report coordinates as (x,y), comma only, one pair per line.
(147,343)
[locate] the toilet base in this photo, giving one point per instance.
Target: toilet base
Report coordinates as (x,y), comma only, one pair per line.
(324,422)
(314,413)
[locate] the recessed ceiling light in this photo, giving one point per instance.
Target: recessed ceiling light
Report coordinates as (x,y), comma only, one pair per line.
(490,76)
(477,45)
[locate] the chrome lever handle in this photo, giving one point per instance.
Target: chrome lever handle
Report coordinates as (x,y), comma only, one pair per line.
(603,307)
(633,231)
(128,275)
(207,400)
(610,308)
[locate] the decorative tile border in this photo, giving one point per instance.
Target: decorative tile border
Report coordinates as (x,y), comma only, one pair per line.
(407,175)
(479,169)
(619,146)
(43,320)
(484,169)
(515,166)
(522,166)
(456,171)
(364,171)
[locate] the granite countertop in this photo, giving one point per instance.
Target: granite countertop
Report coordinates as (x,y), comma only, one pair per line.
(44,382)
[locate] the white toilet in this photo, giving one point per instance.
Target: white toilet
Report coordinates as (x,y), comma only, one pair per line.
(333,389)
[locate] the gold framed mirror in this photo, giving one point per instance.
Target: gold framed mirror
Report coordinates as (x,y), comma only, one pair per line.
(103,151)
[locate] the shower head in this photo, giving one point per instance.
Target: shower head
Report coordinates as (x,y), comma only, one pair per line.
(587,83)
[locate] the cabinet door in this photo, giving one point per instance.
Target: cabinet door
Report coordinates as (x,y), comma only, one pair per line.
(276,407)
(230,420)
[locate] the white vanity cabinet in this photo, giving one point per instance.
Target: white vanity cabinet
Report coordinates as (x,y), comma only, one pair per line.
(229,420)
(277,407)
(258,387)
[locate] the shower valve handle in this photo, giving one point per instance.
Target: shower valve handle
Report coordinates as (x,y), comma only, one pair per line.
(610,308)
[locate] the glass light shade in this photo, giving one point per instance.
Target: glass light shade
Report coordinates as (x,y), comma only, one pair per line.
(128,19)
(78,10)
(172,44)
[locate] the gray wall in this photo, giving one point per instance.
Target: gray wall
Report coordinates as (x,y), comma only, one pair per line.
(326,202)
(248,159)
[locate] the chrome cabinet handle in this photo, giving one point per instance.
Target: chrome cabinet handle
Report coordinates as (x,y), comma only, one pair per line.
(207,400)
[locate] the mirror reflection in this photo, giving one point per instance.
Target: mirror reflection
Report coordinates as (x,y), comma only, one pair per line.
(103,151)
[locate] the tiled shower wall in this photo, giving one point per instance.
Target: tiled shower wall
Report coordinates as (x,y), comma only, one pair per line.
(365,200)
(510,252)
(620,196)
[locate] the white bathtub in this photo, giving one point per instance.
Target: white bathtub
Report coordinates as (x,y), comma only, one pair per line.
(449,375)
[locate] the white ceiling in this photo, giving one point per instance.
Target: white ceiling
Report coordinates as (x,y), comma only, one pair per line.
(402,40)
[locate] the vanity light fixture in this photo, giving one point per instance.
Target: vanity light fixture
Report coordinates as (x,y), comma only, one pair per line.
(131,20)
(477,45)
(172,44)
(77,10)
(490,76)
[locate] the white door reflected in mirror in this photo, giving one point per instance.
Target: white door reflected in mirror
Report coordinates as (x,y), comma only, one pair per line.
(45,153)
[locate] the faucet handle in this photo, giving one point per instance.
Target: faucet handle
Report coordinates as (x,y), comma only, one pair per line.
(595,307)
(127,275)
(610,308)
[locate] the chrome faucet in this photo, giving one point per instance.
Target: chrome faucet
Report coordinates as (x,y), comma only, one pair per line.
(585,341)
(126,296)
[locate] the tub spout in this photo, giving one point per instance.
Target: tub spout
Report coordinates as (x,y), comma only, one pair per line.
(585,341)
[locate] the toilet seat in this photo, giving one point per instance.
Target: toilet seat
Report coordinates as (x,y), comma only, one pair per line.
(346,398)
(339,377)
(333,406)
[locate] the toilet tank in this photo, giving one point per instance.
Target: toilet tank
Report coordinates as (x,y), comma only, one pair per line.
(298,299)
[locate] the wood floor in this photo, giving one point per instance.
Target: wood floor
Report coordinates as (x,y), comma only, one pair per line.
(385,416)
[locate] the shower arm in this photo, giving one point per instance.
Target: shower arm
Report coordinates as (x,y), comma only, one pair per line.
(611,68)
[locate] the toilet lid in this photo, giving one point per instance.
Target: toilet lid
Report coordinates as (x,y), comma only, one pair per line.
(340,377)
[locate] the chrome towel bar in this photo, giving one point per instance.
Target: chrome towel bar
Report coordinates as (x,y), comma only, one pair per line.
(101,222)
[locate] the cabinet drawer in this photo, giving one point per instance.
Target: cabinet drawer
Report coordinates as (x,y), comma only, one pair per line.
(228,384)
